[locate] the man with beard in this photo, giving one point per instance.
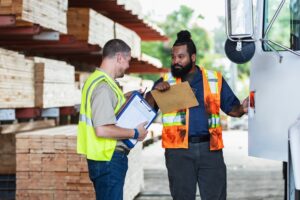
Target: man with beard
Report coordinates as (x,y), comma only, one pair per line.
(193,137)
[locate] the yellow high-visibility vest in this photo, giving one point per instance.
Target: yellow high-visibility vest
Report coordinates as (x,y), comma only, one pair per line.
(88,143)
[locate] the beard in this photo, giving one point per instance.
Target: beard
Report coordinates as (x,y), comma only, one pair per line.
(179,71)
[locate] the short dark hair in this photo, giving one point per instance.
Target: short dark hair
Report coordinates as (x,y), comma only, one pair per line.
(184,38)
(115,46)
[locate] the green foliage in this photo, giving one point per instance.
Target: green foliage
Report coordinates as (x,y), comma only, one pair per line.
(184,19)
(244,69)
(175,22)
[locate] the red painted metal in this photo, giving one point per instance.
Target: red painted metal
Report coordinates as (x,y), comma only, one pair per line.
(67,111)
(27,30)
(7,20)
(26,113)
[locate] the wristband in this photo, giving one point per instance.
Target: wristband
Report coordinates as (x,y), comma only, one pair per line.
(136,134)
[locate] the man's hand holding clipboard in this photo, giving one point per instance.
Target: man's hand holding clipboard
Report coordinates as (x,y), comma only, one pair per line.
(175,97)
(136,114)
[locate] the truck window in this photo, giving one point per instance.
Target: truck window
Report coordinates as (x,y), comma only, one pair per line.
(286,28)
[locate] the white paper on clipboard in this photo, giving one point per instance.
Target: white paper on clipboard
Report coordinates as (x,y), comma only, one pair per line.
(134,113)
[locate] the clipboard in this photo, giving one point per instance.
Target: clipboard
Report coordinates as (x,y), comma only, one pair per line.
(135,111)
(179,96)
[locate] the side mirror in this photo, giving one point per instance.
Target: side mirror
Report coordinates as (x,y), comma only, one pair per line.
(239,19)
(239,46)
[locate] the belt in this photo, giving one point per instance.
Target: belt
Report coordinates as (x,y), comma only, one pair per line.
(121,149)
(199,138)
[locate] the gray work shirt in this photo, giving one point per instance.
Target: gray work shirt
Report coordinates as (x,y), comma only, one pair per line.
(103,103)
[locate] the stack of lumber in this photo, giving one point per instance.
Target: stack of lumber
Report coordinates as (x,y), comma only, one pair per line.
(49,14)
(16,80)
(55,84)
(48,167)
(7,154)
(131,38)
(88,25)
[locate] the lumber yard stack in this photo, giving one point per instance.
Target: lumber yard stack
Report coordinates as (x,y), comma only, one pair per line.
(49,14)
(48,166)
(55,84)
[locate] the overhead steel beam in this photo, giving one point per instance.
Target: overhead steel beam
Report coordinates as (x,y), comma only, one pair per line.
(21,31)
(7,20)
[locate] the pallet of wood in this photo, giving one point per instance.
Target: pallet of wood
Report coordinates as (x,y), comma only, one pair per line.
(48,167)
(88,25)
(55,84)
(16,80)
(49,14)
(131,38)
(7,154)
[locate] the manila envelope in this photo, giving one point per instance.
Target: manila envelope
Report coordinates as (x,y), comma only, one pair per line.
(178,97)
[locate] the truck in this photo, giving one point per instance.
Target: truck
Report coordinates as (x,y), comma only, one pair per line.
(267,33)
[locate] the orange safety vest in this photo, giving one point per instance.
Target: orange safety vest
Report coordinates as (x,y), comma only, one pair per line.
(176,124)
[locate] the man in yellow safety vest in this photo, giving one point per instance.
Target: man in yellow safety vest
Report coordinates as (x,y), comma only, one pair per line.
(99,139)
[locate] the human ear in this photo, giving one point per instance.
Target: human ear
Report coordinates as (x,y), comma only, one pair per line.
(193,57)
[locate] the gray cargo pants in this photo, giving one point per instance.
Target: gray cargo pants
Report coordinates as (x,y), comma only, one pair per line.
(197,164)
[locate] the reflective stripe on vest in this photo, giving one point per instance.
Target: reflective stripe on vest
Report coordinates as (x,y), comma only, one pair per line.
(88,143)
(212,78)
(175,124)
(176,119)
(212,83)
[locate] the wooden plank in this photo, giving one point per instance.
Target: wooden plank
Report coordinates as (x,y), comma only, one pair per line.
(26,126)
(53,71)
(16,80)
(7,154)
(89,25)
(49,14)
(131,38)
(56,95)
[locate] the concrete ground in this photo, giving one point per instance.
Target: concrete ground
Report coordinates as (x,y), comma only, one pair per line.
(248,178)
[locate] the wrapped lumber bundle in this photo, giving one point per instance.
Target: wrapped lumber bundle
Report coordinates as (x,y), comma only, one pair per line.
(49,14)
(55,84)
(48,167)
(131,38)
(16,80)
(88,25)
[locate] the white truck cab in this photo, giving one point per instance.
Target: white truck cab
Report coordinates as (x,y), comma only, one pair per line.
(272,42)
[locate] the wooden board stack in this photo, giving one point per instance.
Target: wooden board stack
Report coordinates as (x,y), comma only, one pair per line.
(88,25)
(48,167)
(7,154)
(16,80)
(49,14)
(55,84)
(131,38)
